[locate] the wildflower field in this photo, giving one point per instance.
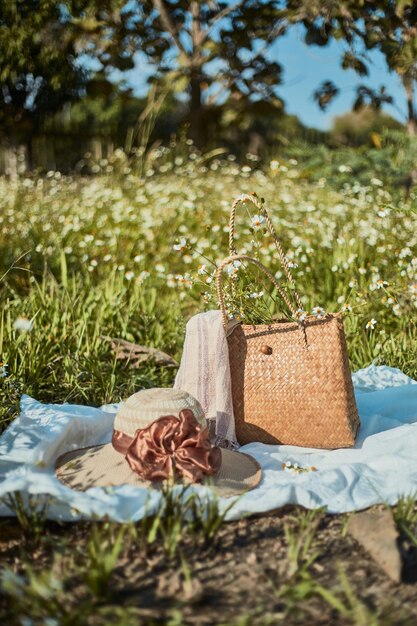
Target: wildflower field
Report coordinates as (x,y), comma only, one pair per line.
(127,248)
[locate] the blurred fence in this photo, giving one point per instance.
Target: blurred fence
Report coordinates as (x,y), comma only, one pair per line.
(67,151)
(52,152)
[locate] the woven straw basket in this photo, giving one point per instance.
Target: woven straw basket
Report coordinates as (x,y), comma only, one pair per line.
(291,382)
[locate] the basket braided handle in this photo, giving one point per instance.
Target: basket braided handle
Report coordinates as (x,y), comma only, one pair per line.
(238,257)
(253,198)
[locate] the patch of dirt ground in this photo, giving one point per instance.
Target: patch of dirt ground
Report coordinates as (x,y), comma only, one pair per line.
(254,573)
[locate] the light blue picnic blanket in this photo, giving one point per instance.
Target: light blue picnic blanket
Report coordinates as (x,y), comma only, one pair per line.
(381,467)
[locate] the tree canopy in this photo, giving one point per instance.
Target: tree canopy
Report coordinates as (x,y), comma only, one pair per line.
(215,52)
(389,26)
(38,62)
(214,56)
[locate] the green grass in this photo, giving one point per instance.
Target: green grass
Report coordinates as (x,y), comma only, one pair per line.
(97,259)
(88,258)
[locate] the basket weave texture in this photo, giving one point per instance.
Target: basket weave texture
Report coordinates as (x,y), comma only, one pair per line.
(291,381)
(293,393)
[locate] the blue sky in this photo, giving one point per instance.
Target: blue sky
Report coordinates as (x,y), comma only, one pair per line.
(305,67)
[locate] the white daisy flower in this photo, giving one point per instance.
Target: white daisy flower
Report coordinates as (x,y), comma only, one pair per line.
(171,281)
(142,276)
(256,294)
(233,268)
(181,245)
(370,325)
(300,315)
(23,323)
(258,221)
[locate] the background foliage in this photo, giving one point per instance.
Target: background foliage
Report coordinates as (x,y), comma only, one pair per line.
(61,96)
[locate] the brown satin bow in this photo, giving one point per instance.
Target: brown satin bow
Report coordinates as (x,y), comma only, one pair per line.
(170,446)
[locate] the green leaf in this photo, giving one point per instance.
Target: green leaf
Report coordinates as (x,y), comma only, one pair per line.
(351,61)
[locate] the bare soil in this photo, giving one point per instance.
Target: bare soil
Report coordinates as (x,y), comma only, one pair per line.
(238,579)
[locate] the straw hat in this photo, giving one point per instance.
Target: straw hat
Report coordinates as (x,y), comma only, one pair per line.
(147,405)
(159,428)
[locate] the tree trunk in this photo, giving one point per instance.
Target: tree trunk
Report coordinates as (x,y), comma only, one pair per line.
(411,114)
(196,133)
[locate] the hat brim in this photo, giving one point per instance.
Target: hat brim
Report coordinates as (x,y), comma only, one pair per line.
(103,466)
